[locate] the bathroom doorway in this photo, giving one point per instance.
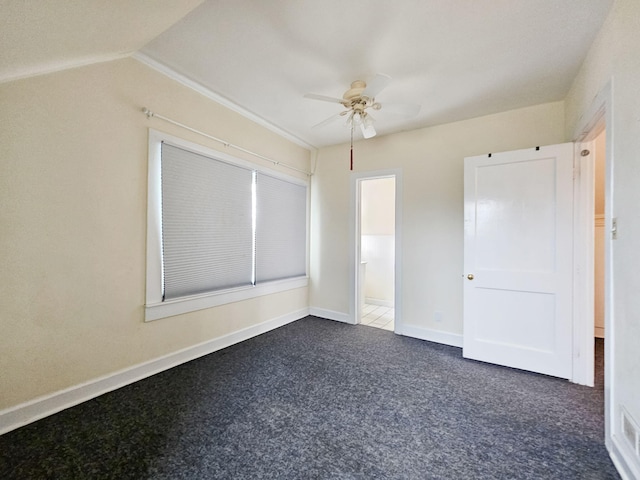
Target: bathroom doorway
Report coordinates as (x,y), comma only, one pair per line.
(377,252)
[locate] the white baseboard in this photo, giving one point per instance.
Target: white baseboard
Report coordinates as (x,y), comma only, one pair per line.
(437,336)
(377,301)
(331,315)
(624,459)
(41,407)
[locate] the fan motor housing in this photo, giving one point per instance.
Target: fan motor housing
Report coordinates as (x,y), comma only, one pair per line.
(355,91)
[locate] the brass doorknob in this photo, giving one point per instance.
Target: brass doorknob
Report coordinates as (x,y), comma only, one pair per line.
(470,276)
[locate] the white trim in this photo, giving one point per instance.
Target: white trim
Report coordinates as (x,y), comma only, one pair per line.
(582,355)
(378,301)
(437,336)
(41,407)
(36,71)
(210,94)
(169,308)
(155,274)
(330,315)
(355,247)
(354,253)
(599,115)
(397,310)
(624,459)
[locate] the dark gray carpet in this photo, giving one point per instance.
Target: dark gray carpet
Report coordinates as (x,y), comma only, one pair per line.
(317,400)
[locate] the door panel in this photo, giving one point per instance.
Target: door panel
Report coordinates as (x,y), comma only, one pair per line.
(515,218)
(518,249)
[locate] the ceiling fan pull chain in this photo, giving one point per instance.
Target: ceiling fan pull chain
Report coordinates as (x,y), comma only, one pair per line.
(351,152)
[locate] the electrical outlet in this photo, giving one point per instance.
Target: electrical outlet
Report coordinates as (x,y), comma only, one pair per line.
(437,317)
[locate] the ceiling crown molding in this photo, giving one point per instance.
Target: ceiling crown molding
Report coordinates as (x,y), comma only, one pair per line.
(202,90)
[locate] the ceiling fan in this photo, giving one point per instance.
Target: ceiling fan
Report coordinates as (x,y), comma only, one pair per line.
(358,99)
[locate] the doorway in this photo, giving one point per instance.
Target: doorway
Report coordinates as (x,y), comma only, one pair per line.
(599,151)
(593,133)
(377,252)
(592,252)
(375,236)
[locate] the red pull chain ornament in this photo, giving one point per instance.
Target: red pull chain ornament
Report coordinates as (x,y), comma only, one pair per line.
(351,151)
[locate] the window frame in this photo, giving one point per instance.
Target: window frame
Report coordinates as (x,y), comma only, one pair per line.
(155,307)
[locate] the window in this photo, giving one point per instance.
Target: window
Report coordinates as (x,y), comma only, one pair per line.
(281,228)
(219,230)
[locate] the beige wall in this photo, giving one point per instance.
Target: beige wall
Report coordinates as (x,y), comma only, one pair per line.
(73,157)
(615,57)
(431,160)
(73,154)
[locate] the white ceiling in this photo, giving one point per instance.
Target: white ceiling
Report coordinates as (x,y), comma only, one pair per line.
(457,58)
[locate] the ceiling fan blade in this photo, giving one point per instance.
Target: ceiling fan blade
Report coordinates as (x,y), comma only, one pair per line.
(403,109)
(324,98)
(376,85)
(329,120)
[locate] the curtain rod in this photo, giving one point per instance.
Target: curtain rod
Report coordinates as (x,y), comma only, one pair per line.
(150,114)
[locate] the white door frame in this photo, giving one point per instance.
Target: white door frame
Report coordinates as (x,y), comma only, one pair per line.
(354,242)
(598,115)
(583,261)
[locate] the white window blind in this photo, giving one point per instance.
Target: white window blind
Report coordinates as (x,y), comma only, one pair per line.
(281,226)
(207,234)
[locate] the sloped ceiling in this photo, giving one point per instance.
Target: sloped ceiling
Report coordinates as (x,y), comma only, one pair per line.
(40,36)
(456,58)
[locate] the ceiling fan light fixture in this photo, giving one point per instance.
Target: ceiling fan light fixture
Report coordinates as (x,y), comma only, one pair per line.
(368,132)
(360,97)
(367,120)
(349,121)
(367,127)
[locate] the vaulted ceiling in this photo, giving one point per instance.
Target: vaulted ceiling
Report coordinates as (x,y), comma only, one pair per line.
(456,58)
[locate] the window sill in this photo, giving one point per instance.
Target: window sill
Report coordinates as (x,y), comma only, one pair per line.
(179,306)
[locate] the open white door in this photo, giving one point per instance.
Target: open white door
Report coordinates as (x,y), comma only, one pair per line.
(518,211)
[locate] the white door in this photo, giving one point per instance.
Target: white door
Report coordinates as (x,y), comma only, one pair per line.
(518,257)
